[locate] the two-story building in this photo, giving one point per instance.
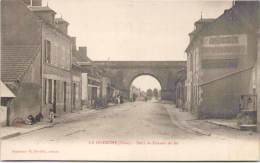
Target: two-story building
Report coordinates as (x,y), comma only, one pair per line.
(56,61)
(221,61)
(36,60)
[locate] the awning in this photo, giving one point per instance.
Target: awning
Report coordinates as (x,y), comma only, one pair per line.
(5,91)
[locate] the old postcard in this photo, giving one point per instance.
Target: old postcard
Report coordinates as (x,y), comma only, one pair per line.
(129,80)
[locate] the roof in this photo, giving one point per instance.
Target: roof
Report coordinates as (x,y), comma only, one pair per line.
(41,9)
(241,18)
(5,91)
(205,20)
(15,61)
(78,57)
(78,60)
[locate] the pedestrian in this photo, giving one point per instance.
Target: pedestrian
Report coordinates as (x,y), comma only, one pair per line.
(121,99)
(51,115)
(118,99)
(28,120)
(38,117)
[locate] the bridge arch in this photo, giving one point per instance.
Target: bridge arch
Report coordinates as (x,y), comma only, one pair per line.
(145,74)
(124,72)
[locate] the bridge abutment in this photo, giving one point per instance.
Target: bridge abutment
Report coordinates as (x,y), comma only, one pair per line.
(167,95)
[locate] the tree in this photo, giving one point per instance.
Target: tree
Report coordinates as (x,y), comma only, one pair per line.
(155,93)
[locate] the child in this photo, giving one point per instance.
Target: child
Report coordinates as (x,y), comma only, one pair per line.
(51,116)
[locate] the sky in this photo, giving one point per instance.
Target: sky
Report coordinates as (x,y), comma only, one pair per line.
(145,82)
(134,29)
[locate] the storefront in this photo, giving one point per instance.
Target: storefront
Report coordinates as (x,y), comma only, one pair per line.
(94,90)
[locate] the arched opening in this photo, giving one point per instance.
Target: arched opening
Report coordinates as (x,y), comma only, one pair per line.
(145,87)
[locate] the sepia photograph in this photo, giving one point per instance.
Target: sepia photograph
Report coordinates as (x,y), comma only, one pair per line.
(129,80)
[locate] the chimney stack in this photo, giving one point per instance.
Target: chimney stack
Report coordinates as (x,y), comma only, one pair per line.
(44,12)
(33,2)
(83,51)
(62,25)
(74,45)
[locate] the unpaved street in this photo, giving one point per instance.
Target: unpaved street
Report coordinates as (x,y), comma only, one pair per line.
(139,131)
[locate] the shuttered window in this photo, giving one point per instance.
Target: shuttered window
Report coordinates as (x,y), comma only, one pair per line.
(47,49)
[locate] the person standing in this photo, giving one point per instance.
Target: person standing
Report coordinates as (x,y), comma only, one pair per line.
(51,115)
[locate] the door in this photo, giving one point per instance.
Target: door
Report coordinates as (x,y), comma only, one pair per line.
(64,96)
(54,95)
(74,96)
(94,94)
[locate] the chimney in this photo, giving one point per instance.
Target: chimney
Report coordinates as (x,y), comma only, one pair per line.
(83,51)
(44,12)
(62,25)
(74,45)
(33,2)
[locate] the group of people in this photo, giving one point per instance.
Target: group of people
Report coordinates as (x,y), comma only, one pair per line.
(31,120)
(117,99)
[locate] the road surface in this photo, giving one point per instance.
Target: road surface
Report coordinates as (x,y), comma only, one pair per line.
(133,131)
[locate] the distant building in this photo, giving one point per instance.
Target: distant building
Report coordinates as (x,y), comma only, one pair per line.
(79,79)
(134,92)
(106,88)
(221,59)
(94,85)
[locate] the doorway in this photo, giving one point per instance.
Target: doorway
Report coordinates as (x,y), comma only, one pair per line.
(64,96)
(54,95)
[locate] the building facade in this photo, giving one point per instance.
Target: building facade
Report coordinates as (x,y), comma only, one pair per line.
(79,77)
(21,59)
(222,52)
(56,62)
(37,61)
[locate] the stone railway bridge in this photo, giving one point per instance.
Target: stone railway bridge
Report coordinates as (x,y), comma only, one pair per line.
(124,72)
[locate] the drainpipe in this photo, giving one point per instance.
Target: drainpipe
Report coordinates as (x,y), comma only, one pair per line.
(41,71)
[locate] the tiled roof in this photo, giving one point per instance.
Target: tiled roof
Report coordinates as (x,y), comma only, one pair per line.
(15,61)
(238,19)
(77,57)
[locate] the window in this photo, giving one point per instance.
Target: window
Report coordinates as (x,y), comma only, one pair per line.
(74,93)
(47,49)
(45,91)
